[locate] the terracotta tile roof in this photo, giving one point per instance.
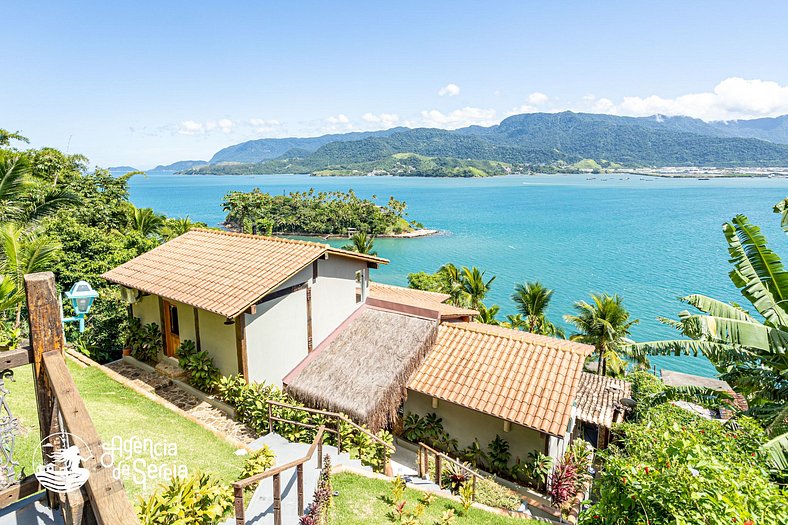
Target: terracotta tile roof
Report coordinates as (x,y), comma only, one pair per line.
(520,377)
(218,271)
(419,298)
(599,396)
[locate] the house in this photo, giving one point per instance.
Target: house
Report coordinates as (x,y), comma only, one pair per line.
(305,315)
(680,379)
(257,305)
(599,407)
(485,380)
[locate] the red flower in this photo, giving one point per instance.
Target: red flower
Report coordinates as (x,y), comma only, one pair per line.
(749,522)
(646,470)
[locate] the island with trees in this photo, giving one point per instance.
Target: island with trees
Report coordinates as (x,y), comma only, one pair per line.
(317,213)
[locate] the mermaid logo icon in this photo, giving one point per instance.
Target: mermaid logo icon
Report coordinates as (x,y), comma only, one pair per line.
(63,472)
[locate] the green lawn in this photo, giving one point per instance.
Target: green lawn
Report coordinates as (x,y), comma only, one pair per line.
(121,413)
(361,501)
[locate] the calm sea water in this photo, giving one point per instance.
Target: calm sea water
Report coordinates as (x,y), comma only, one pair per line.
(650,240)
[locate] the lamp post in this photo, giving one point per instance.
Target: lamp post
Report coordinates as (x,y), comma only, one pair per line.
(81,296)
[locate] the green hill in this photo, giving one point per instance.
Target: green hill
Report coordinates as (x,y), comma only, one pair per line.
(521,142)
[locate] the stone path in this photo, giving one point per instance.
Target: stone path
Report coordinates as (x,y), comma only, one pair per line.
(169,391)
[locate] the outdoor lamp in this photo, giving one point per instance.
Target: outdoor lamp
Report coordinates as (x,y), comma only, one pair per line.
(81,296)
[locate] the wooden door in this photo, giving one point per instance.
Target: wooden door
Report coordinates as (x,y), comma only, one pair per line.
(172,338)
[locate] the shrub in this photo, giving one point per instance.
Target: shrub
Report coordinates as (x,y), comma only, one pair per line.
(475,454)
(251,407)
(197,500)
(9,336)
(490,493)
(259,461)
(466,496)
(499,455)
(429,430)
(322,498)
(675,467)
(145,341)
(199,366)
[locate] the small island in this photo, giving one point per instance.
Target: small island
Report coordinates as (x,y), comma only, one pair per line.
(317,214)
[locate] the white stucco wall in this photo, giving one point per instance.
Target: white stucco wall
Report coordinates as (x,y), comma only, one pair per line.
(464,425)
(218,339)
(147,310)
(334,294)
(276,335)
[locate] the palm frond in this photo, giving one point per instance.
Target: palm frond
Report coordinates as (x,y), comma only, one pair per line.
(717,308)
(782,208)
(776,450)
(758,272)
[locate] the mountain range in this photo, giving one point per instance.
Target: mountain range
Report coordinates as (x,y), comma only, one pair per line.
(520,142)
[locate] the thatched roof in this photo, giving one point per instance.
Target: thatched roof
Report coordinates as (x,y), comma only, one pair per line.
(362,371)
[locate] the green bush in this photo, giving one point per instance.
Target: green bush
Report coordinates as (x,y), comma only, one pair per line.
(429,430)
(672,466)
(197,500)
(251,407)
(9,336)
(199,366)
(498,452)
(145,341)
(258,462)
(492,494)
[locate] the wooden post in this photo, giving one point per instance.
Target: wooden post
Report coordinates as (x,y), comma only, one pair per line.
(300,484)
(197,328)
(473,493)
(240,512)
(277,499)
(308,319)
(320,454)
(240,346)
(339,435)
(46,335)
(438,465)
(270,419)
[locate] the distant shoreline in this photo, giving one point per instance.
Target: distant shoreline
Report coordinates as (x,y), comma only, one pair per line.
(421,232)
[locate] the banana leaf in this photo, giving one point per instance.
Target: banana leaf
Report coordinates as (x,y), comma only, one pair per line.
(758,272)
(777,452)
(782,208)
(717,308)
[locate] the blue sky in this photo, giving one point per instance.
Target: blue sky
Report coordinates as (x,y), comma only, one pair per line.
(146,82)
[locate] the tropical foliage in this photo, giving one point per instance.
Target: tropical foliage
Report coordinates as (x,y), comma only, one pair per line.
(466,287)
(750,351)
(603,323)
(361,242)
(672,466)
(532,300)
(197,500)
(312,212)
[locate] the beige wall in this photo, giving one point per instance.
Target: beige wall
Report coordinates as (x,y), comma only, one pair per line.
(464,425)
(218,339)
(334,294)
(276,335)
(147,310)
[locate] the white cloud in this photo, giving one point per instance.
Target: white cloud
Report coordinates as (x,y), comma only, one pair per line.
(191,127)
(733,98)
(458,118)
(451,90)
(384,119)
(338,119)
(537,99)
(227,126)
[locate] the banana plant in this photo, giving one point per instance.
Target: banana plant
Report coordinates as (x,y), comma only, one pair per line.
(749,352)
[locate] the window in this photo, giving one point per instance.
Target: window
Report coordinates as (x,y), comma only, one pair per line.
(174,326)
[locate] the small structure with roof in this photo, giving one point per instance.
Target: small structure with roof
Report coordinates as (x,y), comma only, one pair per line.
(258,305)
(680,379)
(599,407)
(485,380)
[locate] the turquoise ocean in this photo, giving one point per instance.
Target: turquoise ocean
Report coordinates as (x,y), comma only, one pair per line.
(647,239)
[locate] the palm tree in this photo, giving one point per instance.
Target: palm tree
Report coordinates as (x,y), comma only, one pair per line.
(532,300)
(176,227)
(16,203)
(362,243)
(487,315)
(751,354)
(515,322)
(146,221)
(604,324)
(474,285)
(23,252)
(450,277)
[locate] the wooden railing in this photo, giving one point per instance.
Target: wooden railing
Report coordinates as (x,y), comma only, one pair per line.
(276,473)
(440,457)
(337,430)
(102,500)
